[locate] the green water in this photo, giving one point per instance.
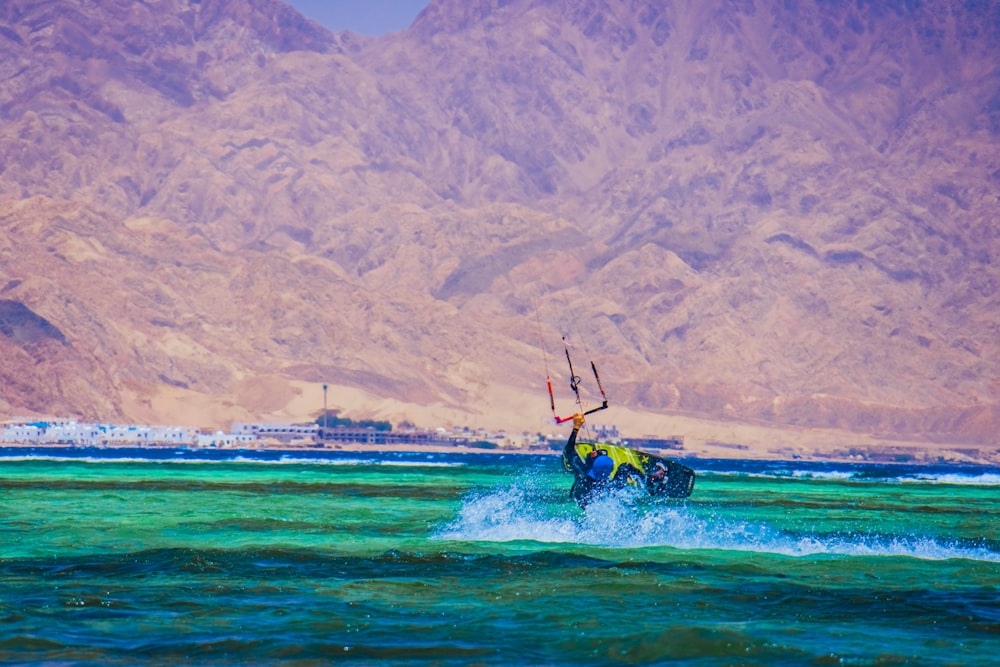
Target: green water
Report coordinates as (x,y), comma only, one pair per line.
(267,563)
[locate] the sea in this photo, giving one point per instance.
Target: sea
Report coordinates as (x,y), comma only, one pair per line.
(150,557)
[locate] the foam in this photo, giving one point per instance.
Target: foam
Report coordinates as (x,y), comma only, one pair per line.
(518,513)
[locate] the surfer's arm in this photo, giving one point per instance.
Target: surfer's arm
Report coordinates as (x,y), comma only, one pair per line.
(569,451)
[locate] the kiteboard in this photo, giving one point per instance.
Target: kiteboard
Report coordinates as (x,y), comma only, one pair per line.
(655,475)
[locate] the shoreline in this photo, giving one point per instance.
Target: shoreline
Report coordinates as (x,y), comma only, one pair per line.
(883,455)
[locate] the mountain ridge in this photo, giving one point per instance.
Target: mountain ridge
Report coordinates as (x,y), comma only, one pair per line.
(761,212)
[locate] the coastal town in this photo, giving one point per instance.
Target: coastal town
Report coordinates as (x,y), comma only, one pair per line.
(345,435)
(269,435)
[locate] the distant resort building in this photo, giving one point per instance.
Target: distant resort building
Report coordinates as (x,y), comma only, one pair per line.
(283,433)
(606,433)
(653,443)
(224,440)
(21,433)
(68,432)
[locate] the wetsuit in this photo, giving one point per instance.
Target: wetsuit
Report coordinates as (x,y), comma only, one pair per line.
(570,457)
(590,476)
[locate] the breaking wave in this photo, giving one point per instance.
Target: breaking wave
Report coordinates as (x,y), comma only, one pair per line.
(989,478)
(518,513)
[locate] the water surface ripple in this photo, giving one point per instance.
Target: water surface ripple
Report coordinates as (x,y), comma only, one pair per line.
(447,561)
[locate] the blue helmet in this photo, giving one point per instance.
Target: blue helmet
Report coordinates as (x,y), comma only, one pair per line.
(602,467)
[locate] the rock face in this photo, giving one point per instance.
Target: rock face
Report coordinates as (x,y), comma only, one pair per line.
(767,212)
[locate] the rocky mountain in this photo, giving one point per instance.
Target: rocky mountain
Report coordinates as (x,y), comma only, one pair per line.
(769,212)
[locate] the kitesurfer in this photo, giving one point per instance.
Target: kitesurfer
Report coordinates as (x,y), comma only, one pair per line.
(599,471)
(591,476)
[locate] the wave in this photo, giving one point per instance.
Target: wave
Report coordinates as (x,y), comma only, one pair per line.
(192,461)
(985,479)
(515,514)
(871,475)
(792,474)
(269,458)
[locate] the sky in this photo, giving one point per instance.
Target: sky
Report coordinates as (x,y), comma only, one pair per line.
(365,17)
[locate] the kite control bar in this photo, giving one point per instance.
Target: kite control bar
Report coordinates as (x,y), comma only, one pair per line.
(574,384)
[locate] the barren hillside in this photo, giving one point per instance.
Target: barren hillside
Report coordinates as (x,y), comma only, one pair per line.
(769,213)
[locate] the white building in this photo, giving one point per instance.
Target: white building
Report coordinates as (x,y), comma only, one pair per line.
(220,439)
(147,435)
(280,432)
(21,433)
(73,433)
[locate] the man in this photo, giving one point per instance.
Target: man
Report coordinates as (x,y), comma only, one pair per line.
(592,475)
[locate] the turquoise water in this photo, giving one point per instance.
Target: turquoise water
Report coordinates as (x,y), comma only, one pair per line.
(486,561)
